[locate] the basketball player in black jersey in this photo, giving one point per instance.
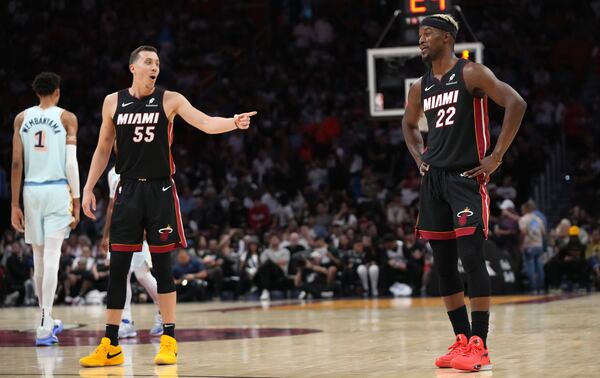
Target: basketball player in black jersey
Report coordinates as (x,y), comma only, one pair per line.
(141,119)
(455,165)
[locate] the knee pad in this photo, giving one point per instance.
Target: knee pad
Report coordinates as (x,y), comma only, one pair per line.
(161,267)
(117,282)
(445,258)
(473,260)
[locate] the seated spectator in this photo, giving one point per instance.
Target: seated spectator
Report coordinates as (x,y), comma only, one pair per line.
(397,267)
(297,251)
(569,266)
(359,265)
(231,261)
(213,262)
(190,277)
(80,279)
(100,270)
(273,270)
(329,259)
(594,268)
(18,271)
(311,277)
(415,252)
(250,261)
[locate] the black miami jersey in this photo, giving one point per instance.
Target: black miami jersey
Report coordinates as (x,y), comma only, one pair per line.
(144,136)
(458,123)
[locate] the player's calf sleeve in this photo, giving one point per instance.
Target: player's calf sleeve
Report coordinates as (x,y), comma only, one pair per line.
(161,268)
(470,250)
(52,244)
(445,257)
(147,280)
(117,282)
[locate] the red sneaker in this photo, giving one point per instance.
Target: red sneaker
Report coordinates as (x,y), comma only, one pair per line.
(454,350)
(474,358)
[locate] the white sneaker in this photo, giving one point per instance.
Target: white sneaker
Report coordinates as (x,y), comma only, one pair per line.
(302,295)
(265,296)
(157,328)
(126,329)
(44,334)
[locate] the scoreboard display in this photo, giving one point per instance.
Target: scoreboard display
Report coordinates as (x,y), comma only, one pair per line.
(416,8)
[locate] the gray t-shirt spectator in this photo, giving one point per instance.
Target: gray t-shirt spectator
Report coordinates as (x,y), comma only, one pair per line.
(279,256)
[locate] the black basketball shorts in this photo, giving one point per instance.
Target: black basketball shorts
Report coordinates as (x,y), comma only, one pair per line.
(146,205)
(451,205)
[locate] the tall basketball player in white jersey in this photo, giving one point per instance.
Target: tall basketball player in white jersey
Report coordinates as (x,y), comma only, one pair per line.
(44,144)
(140,266)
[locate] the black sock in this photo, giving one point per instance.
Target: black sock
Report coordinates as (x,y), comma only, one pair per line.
(481,321)
(169,329)
(460,321)
(112,332)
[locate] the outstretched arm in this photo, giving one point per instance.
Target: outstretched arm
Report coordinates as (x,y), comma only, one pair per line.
(410,126)
(481,81)
(177,104)
(16,174)
(101,154)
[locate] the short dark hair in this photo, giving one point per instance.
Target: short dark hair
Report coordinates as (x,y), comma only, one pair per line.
(135,53)
(45,83)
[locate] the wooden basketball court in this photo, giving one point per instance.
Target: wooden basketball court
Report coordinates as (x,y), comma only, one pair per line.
(542,336)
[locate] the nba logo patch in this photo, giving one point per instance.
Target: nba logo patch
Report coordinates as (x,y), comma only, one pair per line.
(164,232)
(462,216)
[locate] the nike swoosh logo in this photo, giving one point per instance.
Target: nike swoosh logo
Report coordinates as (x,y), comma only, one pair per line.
(429,87)
(109,356)
(167,188)
(126,104)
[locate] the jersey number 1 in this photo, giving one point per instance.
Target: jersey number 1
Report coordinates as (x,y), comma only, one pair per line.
(40,140)
(448,114)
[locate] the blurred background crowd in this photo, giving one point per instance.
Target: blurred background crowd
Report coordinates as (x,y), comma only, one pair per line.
(316,199)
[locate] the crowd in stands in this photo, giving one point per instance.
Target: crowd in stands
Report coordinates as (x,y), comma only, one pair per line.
(316,200)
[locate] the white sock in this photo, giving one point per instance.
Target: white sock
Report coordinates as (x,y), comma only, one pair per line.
(147,280)
(52,244)
(126,314)
(362,273)
(374,276)
(38,271)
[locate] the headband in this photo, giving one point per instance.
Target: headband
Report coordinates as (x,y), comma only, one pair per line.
(440,23)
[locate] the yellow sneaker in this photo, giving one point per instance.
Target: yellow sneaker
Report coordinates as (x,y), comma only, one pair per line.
(167,354)
(104,355)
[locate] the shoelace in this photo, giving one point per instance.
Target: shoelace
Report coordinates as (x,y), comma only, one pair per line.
(101,350)
(167,348)
(454,346)
(471,350)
